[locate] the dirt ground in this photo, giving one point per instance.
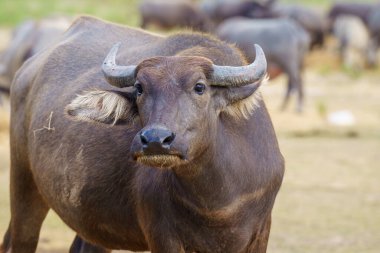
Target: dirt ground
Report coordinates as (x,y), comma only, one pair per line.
(330,198)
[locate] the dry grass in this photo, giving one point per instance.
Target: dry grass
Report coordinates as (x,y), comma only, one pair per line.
(330,197)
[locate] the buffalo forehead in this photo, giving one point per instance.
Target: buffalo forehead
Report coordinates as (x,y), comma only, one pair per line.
(177,69)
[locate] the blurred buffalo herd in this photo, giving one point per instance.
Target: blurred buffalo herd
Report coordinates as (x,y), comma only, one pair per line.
(287,33)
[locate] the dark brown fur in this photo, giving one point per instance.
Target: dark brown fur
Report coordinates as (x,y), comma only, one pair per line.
(218,199)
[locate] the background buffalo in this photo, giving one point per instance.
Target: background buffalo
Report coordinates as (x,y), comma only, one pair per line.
(284,42)
(174,14)
(29,38)
(310,19)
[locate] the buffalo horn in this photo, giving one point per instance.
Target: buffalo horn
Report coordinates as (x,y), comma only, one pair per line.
(230,76)
(119,76)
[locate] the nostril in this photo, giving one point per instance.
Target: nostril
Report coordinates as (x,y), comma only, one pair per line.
(168,140)
(156,138)
(143,139)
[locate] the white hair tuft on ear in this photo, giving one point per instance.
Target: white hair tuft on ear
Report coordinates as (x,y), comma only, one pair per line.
(101,106)
(243,109)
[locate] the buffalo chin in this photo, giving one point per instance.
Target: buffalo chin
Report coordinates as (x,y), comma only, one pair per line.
(160,161)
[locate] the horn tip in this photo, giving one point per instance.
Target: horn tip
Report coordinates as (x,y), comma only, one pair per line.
(116,46)
(261,54)
(259,49)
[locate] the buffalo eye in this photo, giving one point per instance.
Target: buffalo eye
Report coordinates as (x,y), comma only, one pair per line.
(139,89)
(199,88)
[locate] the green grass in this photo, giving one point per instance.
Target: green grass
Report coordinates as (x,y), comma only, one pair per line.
(13,12)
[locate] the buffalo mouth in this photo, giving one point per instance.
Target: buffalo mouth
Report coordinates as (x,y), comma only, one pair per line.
(160,160)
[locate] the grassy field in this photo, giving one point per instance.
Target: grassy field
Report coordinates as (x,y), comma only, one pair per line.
(13,12)
(330,198)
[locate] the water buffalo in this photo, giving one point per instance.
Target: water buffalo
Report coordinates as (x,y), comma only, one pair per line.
(220,10)
(167,146)
(374,31)
(171,14)
(284,42)
(309,19)
(27,39)
(360,10)
(353,38)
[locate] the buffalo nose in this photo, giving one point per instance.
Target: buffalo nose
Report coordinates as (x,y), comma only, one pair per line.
(157,137)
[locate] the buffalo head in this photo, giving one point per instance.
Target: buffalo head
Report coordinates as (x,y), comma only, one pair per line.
(176,101)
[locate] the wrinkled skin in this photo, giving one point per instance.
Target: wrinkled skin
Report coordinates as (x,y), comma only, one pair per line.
(284,42)
(212,191)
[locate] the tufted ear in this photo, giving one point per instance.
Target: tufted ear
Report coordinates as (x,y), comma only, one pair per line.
(108,107)
(240,102)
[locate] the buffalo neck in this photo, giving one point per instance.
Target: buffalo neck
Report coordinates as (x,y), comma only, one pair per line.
(221,173)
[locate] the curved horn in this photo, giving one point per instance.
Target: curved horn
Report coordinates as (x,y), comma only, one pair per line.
(119,76)
(243,75)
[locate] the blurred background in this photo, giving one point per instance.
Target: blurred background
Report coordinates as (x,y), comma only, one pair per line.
(329,136)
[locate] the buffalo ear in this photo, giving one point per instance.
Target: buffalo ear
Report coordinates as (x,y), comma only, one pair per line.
(108,107)
(239,102)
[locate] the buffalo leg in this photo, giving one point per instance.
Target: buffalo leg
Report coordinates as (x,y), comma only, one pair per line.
(260,242)
(294,84)
(371,54)
(144,23)
(289,90)
(289,70)
(169,247)
(6,241)
(164,243)
(81,246)
(28,211)
(300,98)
